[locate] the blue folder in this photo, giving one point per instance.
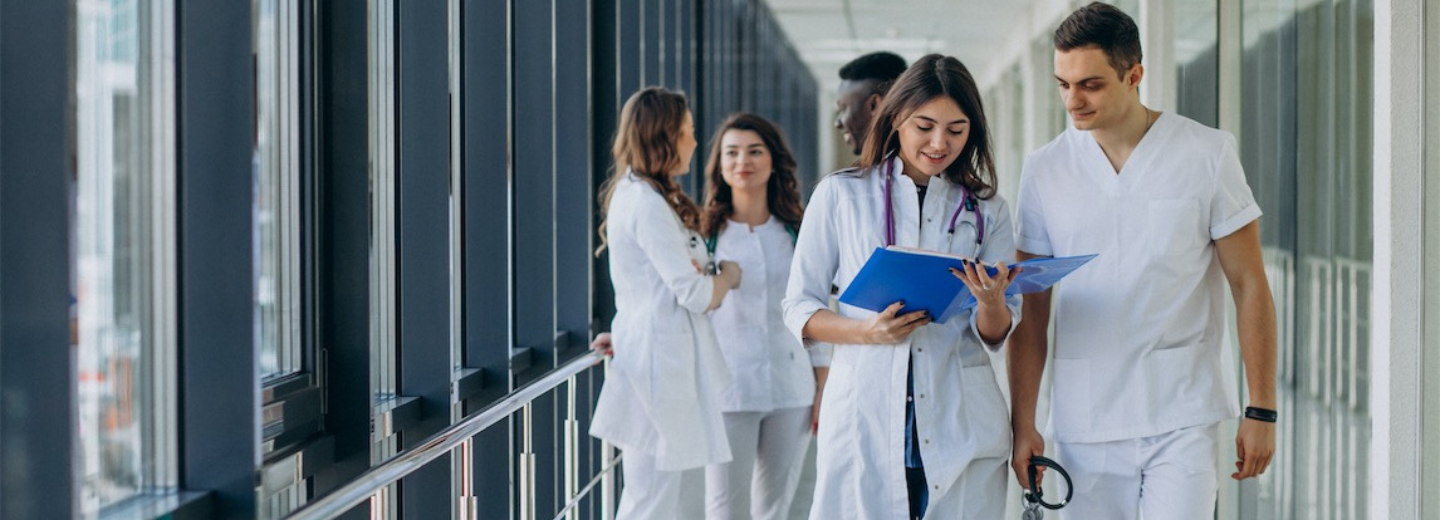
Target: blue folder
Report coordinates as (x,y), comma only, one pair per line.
(922,280)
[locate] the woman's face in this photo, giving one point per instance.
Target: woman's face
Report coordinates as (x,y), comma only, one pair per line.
(745,161)
(933,136)
(685,145)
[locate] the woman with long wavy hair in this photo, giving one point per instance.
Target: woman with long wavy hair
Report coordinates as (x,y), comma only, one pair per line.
(660,401)
(752,210)
(914,425)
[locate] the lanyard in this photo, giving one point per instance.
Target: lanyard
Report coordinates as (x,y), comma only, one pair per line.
(967,202)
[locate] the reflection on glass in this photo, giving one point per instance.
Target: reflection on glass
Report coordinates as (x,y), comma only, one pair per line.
(276,191)
(1197,56)
(113,254)
(1305,144)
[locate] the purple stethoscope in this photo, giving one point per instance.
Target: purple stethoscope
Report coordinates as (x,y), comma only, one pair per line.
(968,202)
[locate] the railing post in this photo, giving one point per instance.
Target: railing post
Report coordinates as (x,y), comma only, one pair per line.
(572,449)
(607,482)
(527,467)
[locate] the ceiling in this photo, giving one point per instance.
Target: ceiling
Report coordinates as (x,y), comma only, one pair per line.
(830,33)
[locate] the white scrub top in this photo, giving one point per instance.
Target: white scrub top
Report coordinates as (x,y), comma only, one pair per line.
(1140,339)
(770,367)
(661,393)
(960,415)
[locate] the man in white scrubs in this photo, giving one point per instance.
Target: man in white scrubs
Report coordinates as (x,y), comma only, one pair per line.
(1143,372)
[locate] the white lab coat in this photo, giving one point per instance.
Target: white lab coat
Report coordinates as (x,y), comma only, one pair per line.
(962,421)
(661,393)
(770,367)
(1141,347)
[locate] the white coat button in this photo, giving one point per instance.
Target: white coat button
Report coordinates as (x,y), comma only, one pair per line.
(920,349)
(927,441)
(922,396)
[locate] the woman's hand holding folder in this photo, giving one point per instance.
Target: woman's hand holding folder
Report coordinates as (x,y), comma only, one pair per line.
(887,328)
(989,290)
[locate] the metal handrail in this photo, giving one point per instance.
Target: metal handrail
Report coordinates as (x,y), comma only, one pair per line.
(356,491)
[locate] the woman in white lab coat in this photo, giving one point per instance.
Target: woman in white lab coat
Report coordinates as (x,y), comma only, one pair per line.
(752,212)
(660,402)
(913,425)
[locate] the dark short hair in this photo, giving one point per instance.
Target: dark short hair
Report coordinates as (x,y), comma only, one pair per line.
(1103,26)
(882,67)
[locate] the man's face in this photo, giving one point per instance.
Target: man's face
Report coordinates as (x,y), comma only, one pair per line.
(855,103)
(1096,96)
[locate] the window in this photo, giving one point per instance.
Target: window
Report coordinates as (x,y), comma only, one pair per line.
(123,246)
(1197,60)
(277,164)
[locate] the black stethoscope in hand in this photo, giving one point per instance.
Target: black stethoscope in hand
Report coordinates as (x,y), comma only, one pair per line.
(1033,499)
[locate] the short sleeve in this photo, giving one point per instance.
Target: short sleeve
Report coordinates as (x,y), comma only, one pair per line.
(1232,205)
(1031,236)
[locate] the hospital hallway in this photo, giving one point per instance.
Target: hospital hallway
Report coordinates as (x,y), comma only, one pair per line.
(314,259)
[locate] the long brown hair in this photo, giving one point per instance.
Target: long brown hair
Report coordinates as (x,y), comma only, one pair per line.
(646,143)
(782,191)
(930,78)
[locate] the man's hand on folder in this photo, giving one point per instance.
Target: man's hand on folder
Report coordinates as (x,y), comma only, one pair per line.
(887,328)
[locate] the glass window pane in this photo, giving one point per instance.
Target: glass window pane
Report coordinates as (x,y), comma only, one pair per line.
(1306,123)
(277,166)
(122,235)
(1197,58)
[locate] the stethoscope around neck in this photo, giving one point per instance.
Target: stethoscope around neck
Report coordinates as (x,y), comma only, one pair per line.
(967,202)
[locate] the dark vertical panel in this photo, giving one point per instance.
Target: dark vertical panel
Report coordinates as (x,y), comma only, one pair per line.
(344,236)
(630,57)
(651,48)
(35,367)
(607,96)
(669,43)
(572,135)
(423,242)
(534,181)
(486,159)
(217,357)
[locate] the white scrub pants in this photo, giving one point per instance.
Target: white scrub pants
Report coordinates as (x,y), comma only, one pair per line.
(1170,476)
(769,452)
(651,494)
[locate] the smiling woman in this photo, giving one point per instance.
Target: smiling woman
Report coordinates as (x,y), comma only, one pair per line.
(932,126)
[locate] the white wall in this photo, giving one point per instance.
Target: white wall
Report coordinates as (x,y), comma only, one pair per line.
(1395,488)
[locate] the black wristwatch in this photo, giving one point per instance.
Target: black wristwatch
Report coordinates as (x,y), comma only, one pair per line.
(1261,414)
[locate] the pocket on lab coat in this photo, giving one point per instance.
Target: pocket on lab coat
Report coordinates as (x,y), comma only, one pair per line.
(1183,380)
